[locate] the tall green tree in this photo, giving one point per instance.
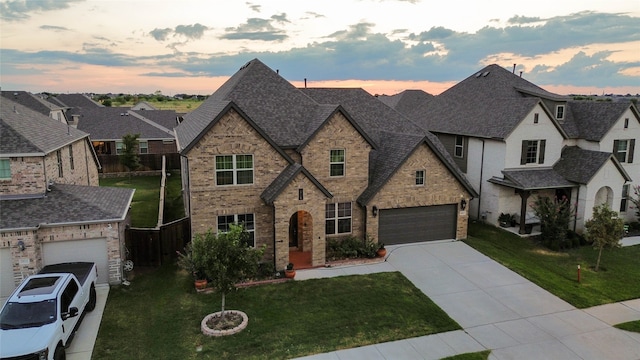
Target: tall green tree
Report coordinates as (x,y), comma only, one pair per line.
(129,157)
(226,259)
(605,229)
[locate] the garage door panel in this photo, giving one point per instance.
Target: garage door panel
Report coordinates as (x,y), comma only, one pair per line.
(417,224)
(94,250)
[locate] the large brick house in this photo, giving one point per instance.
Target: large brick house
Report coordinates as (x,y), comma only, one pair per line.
(516,142)
(51,207)
(299,166)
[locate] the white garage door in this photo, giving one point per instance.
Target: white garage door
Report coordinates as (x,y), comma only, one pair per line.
(6,273)
(94,250)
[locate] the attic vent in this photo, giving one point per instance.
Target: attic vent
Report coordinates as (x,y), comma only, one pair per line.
(121,114)
(478,74)
(245,65)
(484,74)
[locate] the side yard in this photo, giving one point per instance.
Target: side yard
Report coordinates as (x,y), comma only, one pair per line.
(557,272)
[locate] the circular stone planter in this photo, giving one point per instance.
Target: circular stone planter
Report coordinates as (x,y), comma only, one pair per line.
(211,332)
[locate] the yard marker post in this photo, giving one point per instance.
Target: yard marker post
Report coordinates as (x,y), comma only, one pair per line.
(578,272)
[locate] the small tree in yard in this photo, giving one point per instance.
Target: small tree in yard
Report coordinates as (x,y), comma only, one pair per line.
(554,221)
(226,259)
(604,229)
(129,157)
(636,200)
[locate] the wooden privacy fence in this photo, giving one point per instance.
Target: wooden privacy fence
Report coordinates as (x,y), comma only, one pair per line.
(157,246)
(148,162)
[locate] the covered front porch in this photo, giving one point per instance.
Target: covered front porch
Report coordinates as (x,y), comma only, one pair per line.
(524,187)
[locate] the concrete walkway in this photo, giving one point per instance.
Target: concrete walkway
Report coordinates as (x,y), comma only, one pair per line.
(497,308)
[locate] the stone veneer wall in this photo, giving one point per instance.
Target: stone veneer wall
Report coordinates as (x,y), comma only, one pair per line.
(440,188)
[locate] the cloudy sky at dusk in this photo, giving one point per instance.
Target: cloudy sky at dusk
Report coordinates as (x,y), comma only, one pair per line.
(383,46)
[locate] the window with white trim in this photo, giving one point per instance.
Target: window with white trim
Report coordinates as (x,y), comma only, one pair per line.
(459,146)
(420,177)
(532,152)
(247,222)
(560,112)
(119,147)
(234,169)
(143,146)
(625,198)
(336,162)
(338,218)
(623,150)
(5,169)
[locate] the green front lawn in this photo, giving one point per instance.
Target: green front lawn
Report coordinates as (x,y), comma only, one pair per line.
(482,355)
(557,272)
(158,317)
(630,326)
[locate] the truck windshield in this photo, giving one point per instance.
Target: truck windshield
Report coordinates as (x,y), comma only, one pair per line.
(24,315)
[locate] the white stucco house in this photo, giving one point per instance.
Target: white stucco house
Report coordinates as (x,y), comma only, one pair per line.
(516,141)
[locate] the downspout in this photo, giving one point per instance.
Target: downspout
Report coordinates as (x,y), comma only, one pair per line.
(480,185)
(575,217)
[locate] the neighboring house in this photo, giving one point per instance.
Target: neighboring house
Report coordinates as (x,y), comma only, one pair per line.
(73,104)
(51,207)
(107,126)
(516,141)
(37,103)
(300,166)
(407,100)
(143,105)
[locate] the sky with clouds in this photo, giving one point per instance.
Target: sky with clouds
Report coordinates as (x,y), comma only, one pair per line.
(383,46)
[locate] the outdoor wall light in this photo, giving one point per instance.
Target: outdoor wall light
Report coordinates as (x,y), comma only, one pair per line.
(374,211)
(21,245)
(463,204)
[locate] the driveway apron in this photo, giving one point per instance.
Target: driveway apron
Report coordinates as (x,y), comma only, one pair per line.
(498,309)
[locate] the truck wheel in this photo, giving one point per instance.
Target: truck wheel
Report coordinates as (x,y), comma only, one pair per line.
(92,298)
(59,354)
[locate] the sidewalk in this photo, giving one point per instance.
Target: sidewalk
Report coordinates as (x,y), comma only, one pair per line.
(497,308)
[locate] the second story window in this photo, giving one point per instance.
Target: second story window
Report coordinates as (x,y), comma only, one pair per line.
(420,177)
(59,159)
(623,150)
(5,169)
(560,112)
(143,145)
(459,147)
(532,152)
(336,162)
(234,169)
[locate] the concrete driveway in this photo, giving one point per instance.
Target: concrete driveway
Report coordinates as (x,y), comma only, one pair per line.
(498,309)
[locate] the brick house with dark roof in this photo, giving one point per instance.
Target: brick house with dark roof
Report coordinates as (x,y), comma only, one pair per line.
(516,141)
(300,166)
(51,207)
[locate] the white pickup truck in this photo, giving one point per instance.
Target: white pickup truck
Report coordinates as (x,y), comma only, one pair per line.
(40,317)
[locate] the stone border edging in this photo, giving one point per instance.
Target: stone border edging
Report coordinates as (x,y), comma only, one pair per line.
(211,332)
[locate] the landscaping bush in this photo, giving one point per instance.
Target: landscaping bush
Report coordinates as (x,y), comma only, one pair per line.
(351,247)
(554,218)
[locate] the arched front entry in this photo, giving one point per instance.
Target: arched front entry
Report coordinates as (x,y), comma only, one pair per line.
(300,239)
(604,196)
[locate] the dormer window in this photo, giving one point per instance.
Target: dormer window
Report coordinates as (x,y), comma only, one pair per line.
(560,112)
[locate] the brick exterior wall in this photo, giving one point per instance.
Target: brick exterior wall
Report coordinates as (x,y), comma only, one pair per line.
(29,175)
(30,261)
(233,135)
(440,188)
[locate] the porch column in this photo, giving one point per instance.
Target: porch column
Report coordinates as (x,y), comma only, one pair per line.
(524,196)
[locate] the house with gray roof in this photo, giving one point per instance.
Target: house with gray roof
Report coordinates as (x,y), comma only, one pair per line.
(299,167)
(516,141)
(51,207)
(39,103)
